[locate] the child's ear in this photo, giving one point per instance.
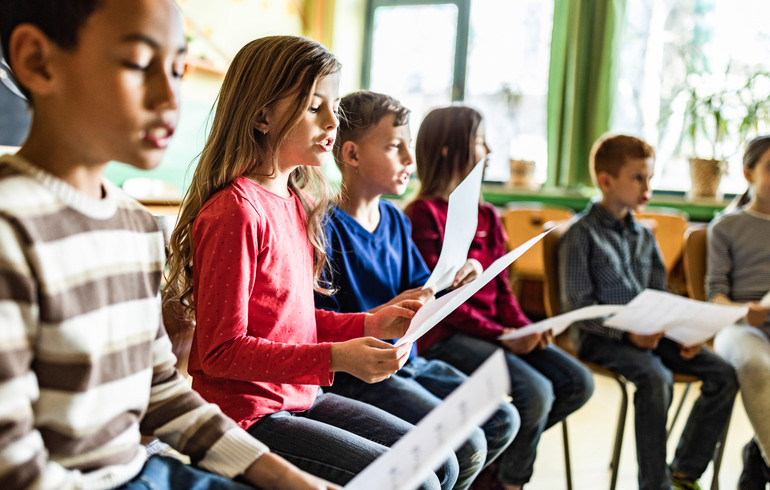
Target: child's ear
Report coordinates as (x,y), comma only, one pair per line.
(31,52)
(748,175)
(262,121)
(603,180)
(349,153)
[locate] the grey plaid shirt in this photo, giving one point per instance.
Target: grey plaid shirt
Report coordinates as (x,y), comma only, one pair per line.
(606,261)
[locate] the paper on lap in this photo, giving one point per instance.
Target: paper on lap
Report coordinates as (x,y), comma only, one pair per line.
(411,460)
(461,223)
(560,323)
(765,301)
(435,311)
(684,320)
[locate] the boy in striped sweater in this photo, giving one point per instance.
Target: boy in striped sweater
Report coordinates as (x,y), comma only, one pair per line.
(85,363)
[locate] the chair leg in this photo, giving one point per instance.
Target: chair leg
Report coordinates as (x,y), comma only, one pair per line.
(615,461)
(678,409)
(718,453)
(567,462)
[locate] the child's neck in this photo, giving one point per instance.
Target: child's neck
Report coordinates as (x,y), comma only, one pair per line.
(277,183)
(759,205)
(57,157)
(364,208)
(618,211)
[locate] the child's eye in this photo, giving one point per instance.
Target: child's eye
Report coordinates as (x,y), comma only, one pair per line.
(313,109)
(135,66)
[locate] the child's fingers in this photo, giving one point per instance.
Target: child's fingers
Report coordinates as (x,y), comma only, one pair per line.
(406,308)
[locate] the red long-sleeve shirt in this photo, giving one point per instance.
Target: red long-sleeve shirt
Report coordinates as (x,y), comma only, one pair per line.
(260,346)
(494,307)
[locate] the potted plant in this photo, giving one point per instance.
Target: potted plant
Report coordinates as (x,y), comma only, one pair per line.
(718,115)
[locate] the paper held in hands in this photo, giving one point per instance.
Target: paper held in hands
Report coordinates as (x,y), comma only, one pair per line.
(685,321)
(559,323)
(765,301)
(461,223)
(410,460)
(435,311)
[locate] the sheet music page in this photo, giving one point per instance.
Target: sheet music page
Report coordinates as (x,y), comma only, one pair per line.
(684,320)
(410,460)
(435,311)
(765,301)
(461,223)
(559,323)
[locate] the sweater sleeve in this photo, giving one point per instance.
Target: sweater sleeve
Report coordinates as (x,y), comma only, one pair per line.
(576,280)
(718,263)
(23,457)
(180,417)
(225,340)
(338,327)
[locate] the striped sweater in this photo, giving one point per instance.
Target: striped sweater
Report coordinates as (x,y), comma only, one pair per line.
(85,363)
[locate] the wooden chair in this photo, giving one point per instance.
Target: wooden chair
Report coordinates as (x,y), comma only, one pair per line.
(694,261)
(523,221)
(669,226)
(551,293)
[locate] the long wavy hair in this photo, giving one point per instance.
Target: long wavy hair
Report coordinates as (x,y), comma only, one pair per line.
(445,147)
(263,72)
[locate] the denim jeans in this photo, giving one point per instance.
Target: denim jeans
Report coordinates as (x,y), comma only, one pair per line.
(651,373)
(546,386)
(417,389)
(338,437)
(165,473)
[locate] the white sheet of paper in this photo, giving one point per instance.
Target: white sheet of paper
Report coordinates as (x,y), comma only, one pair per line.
(683,320)
(560,323)
(435,311)
(410,460)
(461,222)
(765,301)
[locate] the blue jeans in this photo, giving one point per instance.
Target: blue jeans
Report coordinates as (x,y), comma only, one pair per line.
(417,389)
(338,437)
(165,473)
(546,386)
(651,372)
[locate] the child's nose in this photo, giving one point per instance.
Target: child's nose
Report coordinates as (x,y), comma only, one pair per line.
(165,93)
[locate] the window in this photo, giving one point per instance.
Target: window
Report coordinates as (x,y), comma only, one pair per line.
(705,46)
(488,54)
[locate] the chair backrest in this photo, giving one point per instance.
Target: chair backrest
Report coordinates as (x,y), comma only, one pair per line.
(550,251)
(669,226)
(694,261)
(524,221)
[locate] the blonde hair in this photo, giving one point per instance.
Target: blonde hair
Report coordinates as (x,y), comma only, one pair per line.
(263,72)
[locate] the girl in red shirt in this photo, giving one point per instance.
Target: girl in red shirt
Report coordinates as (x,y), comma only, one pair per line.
(546,383)
(247,253)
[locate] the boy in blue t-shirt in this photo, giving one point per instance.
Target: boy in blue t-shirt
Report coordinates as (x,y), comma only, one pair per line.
(608,257)
(373,262)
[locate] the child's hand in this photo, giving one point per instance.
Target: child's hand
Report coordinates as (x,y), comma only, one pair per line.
(688,352)
(416,294)
(368,359)
(756,315)
(545,339)
(522,345)
(644,341)
(468,272)
(271,472)
(392,321)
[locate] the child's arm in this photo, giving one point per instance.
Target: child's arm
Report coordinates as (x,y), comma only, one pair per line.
(23,456)
(719,267)
(576,280)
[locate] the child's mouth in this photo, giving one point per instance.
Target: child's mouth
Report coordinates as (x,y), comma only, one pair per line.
(326,144)
(158,136)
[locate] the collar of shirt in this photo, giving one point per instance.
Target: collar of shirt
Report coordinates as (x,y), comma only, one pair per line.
(604,218)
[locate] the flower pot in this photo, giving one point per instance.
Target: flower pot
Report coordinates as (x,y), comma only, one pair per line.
(522,174)
(705,176)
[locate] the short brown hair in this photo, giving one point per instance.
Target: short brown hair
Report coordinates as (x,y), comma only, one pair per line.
(612,151)
(361,110)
